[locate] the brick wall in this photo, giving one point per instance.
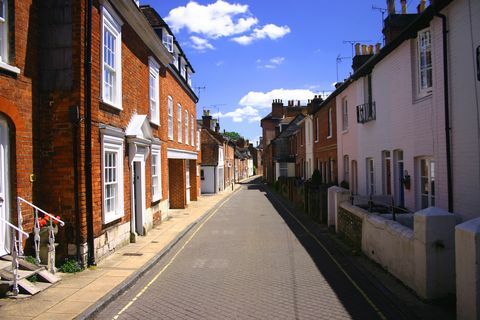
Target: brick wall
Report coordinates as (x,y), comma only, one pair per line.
(209,147)
(177,183)
(350,227)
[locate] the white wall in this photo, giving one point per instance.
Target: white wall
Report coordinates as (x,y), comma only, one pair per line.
(464,26)
(403,121)
(208,185)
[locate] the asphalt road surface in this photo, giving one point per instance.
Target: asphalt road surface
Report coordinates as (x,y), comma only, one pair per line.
(249,259)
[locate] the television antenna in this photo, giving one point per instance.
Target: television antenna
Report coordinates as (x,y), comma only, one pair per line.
(382,11)
(353,42)
(198,89)
(339,60)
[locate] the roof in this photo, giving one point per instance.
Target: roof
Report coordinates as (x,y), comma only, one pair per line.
(292,127)
(409,32)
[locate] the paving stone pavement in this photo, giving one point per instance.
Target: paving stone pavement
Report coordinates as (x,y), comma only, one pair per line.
(244,262)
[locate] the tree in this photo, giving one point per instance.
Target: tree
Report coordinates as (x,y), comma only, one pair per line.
(232,135)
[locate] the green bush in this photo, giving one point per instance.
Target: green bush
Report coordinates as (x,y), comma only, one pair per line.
(71,266)
(345,185)
(316,178)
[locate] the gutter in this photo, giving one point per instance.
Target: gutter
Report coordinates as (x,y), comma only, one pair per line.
(88,132)
(447,110)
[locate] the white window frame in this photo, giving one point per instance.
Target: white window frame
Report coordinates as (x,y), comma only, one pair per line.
(317,128)
(183,69)
(192,131)
(187,125)
(330,124)
(175,57)
(370,171)
(198,140)
(430,178)
(114,145)
(170,117)
(156,153)
(344,114)
(179,123)
(154,91)
(4,33)
(424,47)
(112,23)
(167,40)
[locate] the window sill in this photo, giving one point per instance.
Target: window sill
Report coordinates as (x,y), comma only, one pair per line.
(329,137)
(9,68)
(155,123)
(170,138)
(345,131)
(422,97)
(112,105)
(156,200)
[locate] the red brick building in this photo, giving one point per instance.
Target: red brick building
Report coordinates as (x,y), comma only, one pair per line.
(97,115)
(325,138)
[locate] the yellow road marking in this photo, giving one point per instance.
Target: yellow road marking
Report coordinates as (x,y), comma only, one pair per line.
(364,295)
(129,304)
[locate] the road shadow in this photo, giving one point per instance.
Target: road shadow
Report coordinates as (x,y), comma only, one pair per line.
(330,261)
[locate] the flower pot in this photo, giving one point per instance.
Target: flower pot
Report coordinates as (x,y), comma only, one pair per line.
(44,244)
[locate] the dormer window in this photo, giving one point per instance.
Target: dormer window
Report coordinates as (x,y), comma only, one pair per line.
(189,78)
(175,57)
(183,69)
(167,40)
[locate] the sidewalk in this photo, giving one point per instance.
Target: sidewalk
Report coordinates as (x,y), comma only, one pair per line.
(90,288)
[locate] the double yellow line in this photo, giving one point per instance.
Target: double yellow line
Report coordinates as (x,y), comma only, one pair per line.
(362,293)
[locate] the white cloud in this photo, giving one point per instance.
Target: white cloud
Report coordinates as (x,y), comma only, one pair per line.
(263,100)
(215,20)
(273,63)
(201,44)
(240,114)
(270,31)
(220,63)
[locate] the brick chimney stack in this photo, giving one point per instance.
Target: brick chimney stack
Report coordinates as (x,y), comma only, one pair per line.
(277,109)
(395,23)
(361,56)
(207,119)
(217,127)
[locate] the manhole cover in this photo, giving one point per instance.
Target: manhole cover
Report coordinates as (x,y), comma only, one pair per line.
(154,241)
(132,254)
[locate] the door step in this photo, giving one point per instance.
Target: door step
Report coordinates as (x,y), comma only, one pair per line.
(32,279)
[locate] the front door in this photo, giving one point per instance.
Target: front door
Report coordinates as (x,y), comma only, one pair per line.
(4,192)
(137,192)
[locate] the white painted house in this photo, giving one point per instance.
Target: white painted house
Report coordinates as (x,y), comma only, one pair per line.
(394,140)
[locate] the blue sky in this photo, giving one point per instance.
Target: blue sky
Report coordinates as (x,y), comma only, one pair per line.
(247,52)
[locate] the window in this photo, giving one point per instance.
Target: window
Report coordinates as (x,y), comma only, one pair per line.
(387,172)
(170,118)
(283,167)
(427,182)
(167,41)
(315,128)
(331,173)
(183,69)
(192,131)
(187,134)
(346,173)
(202,175)
(156,173)
(187,174)
(198,140)
(154,91)
(354,184)
(370,177)
(175,57)
(112,167)
(111,59)
(3,31)
(345,114)
(330,124)
(179,122)
(424,61)
(367,89)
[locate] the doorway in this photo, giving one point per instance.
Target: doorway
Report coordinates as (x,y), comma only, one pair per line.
(187,180)
(398,178)
(4,186)
(138,197)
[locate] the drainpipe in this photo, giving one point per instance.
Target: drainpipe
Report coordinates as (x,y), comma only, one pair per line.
(88,132)
(447,111)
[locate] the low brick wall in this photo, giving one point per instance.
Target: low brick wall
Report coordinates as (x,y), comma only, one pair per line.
(350,227)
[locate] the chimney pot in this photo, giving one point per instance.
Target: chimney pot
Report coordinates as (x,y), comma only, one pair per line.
(404,6)
(391,7)
(364,49)
(370,49)
(377,48)
(357,49)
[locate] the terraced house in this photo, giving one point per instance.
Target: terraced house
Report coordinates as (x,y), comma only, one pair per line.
(97,116)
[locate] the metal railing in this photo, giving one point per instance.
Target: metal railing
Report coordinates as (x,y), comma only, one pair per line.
(366,112)
(374,203)
(36,231)
(15,251)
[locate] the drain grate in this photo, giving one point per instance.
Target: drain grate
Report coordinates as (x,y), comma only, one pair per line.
(155,241)
(133,254)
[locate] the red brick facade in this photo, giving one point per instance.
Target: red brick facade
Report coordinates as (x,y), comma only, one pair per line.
(325,145)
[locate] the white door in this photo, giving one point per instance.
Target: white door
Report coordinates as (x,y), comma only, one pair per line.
(4,192)
(187,182)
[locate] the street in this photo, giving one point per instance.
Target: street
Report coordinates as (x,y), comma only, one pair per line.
(248,259)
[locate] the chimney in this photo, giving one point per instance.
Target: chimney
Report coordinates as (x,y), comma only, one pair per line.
(421,6)
(298,103)
(394,24)
(207,119)
(277,109)
(360,58)
(378,46)
(217,127)
(404,6)
(391,7)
